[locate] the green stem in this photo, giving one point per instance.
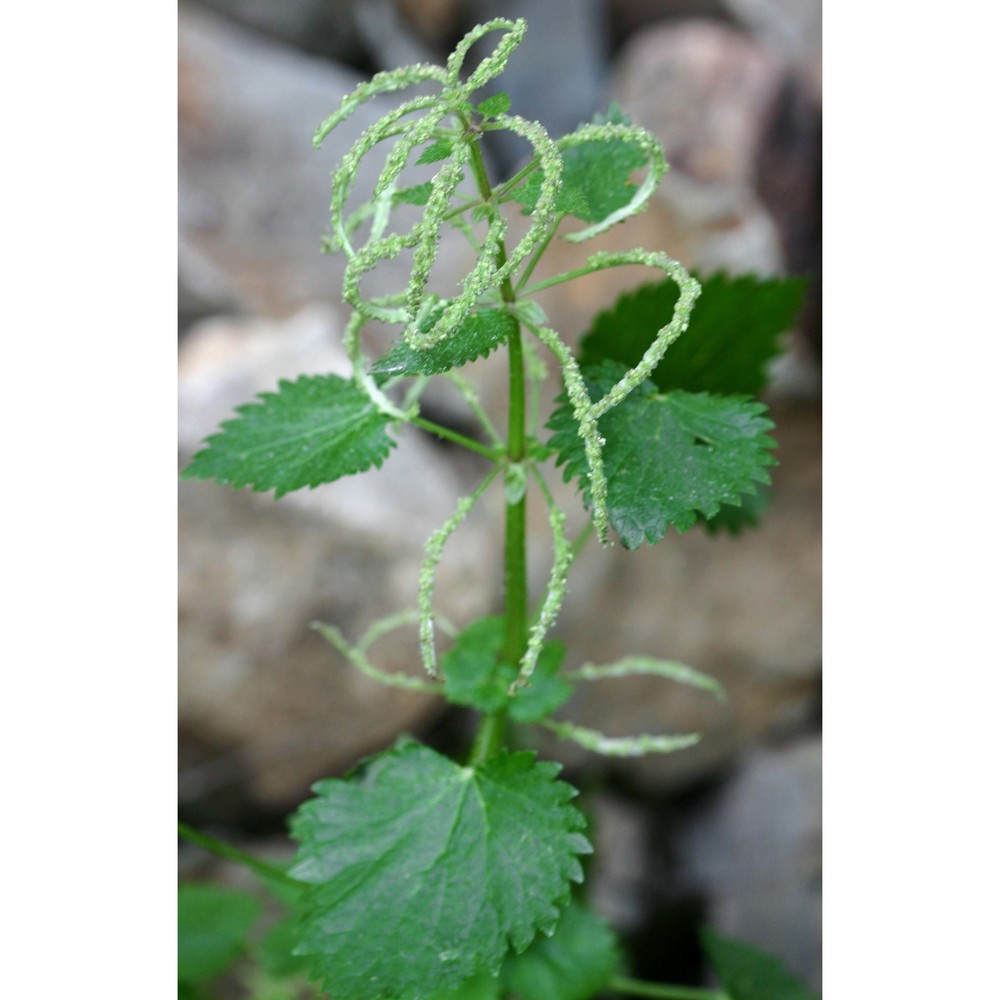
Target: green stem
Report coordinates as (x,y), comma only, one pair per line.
(662,991)
(539,252)
(450,435)
(559,279)
(489,739)
(217,847)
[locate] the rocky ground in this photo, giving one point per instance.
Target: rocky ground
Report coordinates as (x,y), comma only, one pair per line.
(727,833)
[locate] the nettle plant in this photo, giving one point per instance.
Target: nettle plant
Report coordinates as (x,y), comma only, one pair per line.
(419,876)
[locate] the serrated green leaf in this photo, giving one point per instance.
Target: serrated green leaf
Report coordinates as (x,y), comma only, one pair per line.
(732,519)
(734,332)
(476,337)
(416,195)
(595,179)
(212,927)
(497,104)
(311,431)
(439,150)
(667,456)
(474,674)
(573,964)
(748,973)
(424,872)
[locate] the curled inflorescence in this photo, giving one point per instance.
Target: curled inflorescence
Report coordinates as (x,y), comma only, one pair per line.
(451,124)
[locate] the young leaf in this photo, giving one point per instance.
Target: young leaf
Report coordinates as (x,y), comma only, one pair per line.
(667,456)
(424,872)
(573,964)
(734,332)
(497,104)
(596,177)
(311,431)
(474,675)
(439,150)
(477,336)
(748,973)
(416,195)
(212,928)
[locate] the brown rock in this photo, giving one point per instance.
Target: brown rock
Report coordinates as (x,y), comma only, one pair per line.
(270,702)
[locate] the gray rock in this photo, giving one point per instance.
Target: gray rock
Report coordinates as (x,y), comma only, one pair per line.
(755,853)
(630,16)
(706,91)
(254,194)
(742,135)
(391,37)
(619,874)
(323,28)
(274,706)
(792,29)
(558,76)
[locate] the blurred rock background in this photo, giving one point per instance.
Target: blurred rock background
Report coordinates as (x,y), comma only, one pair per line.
(727,833)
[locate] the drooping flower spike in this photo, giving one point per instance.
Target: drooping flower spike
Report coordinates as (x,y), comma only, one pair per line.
(448,121)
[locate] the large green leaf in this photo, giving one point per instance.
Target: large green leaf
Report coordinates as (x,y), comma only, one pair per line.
(311,431)
(667,456)
(425,872)
(474,674)
(212,927)
(734,332)
(748,973)
(596,177)
(478,334)
(573,964)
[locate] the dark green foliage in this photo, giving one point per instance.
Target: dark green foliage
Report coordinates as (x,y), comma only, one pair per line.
(424,872)
(212,928)
(277,947)
(668,457)
(731,520)
(573,964)
(748,973)
(311,431)
(735,331)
